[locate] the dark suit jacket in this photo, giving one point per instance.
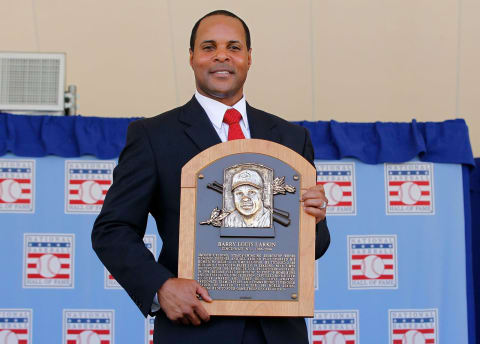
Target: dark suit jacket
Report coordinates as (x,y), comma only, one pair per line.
(147,180)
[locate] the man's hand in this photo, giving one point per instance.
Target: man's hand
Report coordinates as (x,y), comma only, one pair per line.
(178,297)
(315,202)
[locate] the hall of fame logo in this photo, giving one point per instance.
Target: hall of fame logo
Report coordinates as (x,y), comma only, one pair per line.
(17,186)
(86,185)
(48,260)
(83,326)
(339,183)
(149,325)
(15,326)
(372,262)
(413,326)
(409,188)
(334,327)
(150,241)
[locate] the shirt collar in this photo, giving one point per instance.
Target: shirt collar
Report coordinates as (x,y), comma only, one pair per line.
(216,110)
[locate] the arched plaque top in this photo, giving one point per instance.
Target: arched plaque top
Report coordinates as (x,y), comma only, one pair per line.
(253,146)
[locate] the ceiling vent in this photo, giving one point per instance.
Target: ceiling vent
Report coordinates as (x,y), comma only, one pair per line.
(32,82)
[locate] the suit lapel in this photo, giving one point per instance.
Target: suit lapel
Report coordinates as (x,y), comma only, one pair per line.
(198,126)
(201,131)
(261,127)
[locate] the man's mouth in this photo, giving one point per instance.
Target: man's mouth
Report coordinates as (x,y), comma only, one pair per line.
(247,205)
(221,72)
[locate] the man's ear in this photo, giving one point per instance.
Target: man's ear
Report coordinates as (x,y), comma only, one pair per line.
(249,57)
(190,51)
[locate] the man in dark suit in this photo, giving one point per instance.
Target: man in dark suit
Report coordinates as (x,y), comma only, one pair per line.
(147,180)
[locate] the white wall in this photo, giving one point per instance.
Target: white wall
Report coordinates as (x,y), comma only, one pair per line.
(347,60)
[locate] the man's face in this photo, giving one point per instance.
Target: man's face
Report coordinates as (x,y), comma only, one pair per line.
(248,200)
(220,59)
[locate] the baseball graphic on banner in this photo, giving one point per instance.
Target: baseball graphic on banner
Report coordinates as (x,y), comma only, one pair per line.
(333,192)
(8,337)
(10,190)
(372,266)
(90,192)
(88,337)
(48,265)
(334,337)
(413,337)
(409,193)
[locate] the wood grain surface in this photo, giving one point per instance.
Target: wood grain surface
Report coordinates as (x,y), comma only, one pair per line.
(301,307)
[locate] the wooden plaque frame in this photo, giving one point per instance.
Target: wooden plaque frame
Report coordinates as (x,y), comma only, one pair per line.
(304,305)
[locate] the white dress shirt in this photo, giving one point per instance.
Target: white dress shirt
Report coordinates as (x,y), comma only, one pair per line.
(215,112)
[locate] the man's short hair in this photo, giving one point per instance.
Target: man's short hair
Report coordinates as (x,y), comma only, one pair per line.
(221,13)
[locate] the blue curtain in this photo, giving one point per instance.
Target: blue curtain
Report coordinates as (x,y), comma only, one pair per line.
(475,209)
(372,143)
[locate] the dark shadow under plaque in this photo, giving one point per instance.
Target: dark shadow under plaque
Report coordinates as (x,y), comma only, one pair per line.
(248,263)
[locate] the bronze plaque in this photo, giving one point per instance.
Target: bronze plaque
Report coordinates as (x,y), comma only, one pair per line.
(247,242)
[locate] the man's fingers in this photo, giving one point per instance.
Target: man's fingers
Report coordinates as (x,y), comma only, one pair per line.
(203,293)
(201,312)
(315,202)
(319,214)
(313,192)
(178,299)
(193,318)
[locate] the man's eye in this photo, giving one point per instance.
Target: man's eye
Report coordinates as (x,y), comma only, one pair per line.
(251,193)
(234,47)
(208,47)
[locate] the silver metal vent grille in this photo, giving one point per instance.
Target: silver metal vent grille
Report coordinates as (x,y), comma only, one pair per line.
(30,81)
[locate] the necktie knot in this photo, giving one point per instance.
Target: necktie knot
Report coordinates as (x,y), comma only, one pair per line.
(232,116)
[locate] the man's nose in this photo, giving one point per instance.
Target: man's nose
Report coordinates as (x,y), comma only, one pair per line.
(222,55)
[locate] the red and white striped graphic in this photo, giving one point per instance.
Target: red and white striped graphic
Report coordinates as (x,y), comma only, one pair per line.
(48,260)
(338,182)
(49,265)
(16,185)
(372,261)
(333,337)
(416,192)
(15,326)
(406,336)
(87,183)
(19,336)
(87,191)
(409,188)
(334,327)
(339,194)
(413,326)
(88,326)
(149,325)
(88,336)
(15,190)
(372,266)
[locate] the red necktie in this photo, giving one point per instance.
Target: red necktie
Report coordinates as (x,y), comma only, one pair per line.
(232,117)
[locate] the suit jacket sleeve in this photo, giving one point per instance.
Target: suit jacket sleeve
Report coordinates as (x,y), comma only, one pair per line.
(117,235)
(322,235)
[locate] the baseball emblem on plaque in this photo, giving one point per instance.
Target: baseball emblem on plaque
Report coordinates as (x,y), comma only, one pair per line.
(243,233)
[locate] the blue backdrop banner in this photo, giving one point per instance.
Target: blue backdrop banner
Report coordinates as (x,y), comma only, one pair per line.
(399,268)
